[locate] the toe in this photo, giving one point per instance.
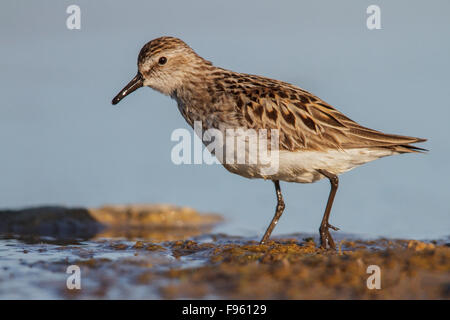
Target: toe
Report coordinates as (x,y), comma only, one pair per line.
(333,227)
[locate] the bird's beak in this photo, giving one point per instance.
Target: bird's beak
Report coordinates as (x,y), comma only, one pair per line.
(134,84)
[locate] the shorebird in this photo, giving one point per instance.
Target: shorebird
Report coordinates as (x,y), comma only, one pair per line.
(316,141)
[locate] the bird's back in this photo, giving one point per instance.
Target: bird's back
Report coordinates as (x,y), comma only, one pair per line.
(304,121)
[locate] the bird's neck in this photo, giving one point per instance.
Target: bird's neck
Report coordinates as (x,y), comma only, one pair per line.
(198,95)
(196,89)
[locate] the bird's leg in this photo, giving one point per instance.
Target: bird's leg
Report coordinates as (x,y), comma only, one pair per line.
(325,236)
(278,212)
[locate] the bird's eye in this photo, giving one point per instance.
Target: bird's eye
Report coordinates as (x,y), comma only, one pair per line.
(162,60)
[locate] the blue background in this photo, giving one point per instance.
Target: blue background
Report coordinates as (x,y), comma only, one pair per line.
(61,141)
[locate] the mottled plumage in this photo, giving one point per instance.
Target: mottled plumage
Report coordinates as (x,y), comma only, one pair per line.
(315,139)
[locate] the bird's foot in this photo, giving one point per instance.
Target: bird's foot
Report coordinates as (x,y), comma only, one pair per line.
(326,240)
(333,227)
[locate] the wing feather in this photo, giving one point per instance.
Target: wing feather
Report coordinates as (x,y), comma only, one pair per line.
(305,122)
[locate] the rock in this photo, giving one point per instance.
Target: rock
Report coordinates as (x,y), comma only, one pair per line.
(62,222)
(420,246)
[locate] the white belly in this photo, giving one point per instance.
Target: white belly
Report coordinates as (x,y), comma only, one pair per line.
(302,166)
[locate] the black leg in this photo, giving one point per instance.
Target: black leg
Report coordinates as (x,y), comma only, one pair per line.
(278,212)
(325,236)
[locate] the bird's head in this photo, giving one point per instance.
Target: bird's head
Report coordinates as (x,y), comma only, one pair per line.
(164,64)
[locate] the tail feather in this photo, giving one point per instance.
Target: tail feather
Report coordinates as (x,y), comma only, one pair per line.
(407,148)
(373,138)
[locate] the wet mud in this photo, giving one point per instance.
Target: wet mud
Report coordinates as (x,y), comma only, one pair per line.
(166,252)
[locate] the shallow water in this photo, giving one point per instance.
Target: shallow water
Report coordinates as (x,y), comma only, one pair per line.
(163,251)
(137,268)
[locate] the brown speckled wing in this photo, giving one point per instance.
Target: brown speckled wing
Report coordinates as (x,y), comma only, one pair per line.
(305,122)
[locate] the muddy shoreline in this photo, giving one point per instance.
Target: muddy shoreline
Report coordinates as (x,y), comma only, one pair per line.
(167,252)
